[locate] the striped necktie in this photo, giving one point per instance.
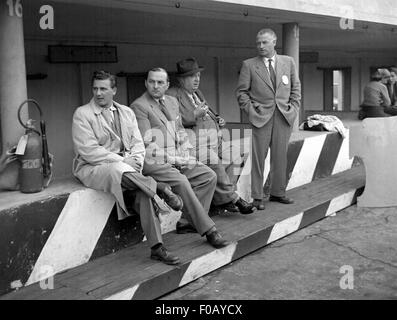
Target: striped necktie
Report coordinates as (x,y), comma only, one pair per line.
(164,110)
(272,74)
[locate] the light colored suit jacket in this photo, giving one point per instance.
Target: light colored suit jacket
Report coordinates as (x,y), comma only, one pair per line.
(164,139)
(97,163)
(257,97)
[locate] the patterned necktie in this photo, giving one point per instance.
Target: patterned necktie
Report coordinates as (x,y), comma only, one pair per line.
(272,74)
(196,100)
(108,115)
(164,110)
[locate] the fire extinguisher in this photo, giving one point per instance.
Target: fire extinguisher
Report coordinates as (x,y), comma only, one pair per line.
(35,163)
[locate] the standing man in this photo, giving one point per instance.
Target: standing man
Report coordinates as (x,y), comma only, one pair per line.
(204,124)
(168,160)
(109,157)
(269,91)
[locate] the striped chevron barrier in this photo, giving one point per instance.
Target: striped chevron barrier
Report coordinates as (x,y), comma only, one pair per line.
(87,226)
(314,157)
(130,274)
(221,257)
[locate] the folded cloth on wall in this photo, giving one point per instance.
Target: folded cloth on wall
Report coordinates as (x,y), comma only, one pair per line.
(328,122)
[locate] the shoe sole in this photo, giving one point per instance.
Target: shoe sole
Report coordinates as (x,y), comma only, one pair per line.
(185,231)
(166,262)
(253,209)
(281,202)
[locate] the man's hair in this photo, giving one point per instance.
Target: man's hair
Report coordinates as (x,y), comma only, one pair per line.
(157,69)
(393,69)
(376,76)
(267,31)
(384,73)
(104,75)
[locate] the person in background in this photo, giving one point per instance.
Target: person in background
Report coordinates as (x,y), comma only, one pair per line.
(392,86)
(376,96)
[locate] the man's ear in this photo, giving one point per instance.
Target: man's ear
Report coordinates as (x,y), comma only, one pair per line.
(114,90)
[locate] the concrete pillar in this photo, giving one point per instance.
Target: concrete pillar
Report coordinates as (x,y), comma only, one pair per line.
(291,48)
(13,89)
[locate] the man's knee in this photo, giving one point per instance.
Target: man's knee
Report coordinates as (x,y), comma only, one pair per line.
(182,181)
(210,175)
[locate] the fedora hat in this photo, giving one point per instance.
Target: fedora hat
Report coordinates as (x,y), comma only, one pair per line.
(187,67)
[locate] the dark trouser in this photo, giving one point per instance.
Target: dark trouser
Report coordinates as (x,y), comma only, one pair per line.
(195,186)
(274,134)
(144,189)
(224,191)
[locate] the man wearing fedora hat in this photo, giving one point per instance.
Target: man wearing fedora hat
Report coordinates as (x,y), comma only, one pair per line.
(203,127)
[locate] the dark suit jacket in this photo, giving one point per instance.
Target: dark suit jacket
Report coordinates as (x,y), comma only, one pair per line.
(257,97)
(393,97)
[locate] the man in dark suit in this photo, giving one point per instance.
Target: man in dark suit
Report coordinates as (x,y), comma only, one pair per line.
(269,91)
(392,86)
(168,160)
(204,124)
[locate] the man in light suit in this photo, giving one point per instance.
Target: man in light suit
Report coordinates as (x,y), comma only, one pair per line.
(269,91)
(168,159)
(204,124)
(109,157)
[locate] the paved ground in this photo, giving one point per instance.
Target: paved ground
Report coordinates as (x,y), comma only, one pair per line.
(357,248)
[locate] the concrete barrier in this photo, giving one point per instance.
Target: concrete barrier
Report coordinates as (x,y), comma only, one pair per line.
(375,141)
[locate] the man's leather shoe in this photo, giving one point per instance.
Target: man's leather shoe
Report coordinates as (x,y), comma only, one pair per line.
(163,255)
(283,199)
(215,239)
(182,228)
(230,206)
(258,204)
(244,207)
(173,200)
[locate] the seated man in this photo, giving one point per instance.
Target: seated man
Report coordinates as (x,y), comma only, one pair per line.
(159,121)
(206,137)
(109,157)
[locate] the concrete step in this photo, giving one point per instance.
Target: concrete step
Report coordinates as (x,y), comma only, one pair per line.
(131,274)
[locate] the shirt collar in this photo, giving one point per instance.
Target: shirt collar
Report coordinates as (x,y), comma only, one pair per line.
(158,100)
(266,60)
(98,109)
